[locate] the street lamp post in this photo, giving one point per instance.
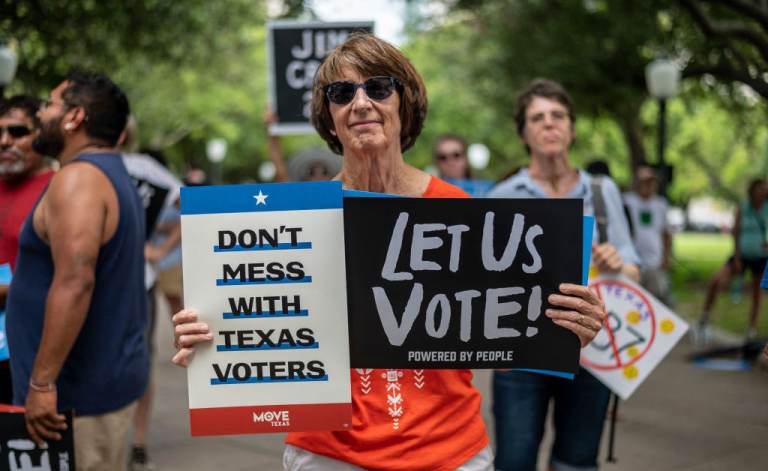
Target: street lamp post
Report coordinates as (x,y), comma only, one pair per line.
(216,150)
(662,77)
(8,64)
(478,155)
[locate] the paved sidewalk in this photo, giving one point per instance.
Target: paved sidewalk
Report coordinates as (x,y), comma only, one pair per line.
(683,418)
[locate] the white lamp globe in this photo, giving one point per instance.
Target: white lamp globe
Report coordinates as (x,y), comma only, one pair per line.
(662,77)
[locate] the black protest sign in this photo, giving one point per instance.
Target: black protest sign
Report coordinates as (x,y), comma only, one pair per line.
(296,50)
(19,453)
(460,283)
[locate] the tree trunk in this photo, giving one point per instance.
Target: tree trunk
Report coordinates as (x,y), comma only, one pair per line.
(629,121)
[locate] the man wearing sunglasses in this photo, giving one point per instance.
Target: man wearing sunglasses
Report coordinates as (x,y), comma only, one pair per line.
(450,157)
(23,176)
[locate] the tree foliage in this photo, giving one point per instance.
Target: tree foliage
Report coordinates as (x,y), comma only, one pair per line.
(52,36)
(729,40)
(192,70)
(195,70)
(598,49)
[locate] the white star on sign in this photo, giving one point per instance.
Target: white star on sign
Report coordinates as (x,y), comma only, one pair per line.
(261,198)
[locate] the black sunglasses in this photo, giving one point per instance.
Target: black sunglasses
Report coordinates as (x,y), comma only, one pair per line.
(16,130)
(377,88)
(444,156)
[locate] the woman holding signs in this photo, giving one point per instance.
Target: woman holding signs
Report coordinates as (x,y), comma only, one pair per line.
(369,104)
(545,122)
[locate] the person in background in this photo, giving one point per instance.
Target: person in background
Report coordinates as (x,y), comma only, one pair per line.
(159,191)
(24,174)
(77,309)
(545,119)
(164,249)
(750,252)
(651,234)
(308,165)
(764,285)
(369,105)
(450,157)
(600,167)
(196,176)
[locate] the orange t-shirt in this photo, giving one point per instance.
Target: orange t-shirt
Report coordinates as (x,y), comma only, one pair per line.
(407,419)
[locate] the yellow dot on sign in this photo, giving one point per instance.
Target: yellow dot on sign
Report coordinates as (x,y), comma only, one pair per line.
(630,372)
(667,326)
(593,272)
(633,317)
(633,352)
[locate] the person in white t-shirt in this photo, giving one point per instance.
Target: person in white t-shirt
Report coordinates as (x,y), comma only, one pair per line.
(650,232)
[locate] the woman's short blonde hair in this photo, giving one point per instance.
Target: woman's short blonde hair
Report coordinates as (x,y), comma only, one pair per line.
(370,57)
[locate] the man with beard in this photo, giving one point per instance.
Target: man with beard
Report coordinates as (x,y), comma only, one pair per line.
(77,309)
(23,176)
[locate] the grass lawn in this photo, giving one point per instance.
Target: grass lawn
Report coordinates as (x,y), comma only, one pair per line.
(697,257)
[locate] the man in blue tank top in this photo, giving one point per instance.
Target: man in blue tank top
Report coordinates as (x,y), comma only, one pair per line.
(77,309)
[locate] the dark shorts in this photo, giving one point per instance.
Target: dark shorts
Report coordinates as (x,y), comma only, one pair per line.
(754,265)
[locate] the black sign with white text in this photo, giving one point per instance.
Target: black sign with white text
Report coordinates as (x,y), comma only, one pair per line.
(460,283)
(296,50)
(19,453)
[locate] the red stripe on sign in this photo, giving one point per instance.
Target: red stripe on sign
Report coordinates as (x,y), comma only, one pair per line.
(270,419)
(10,408)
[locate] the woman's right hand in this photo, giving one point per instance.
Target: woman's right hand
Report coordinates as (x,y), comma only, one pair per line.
(187,333)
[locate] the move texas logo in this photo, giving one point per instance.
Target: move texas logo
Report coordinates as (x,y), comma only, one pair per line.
(276,418)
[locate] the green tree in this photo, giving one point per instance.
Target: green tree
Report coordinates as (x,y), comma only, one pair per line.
(726,39)
(597,49)
(192,70)
(53,36)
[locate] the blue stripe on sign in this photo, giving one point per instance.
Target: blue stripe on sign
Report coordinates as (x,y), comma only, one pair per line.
(224,348)
(221,282)
(217,382)
(586,250)
(559,374)
(283,246)
(368,194)
(255,315)
(260,197)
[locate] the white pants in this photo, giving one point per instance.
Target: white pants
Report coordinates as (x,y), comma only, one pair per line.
(299,459)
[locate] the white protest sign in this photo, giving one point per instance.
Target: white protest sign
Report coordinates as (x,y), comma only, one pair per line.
(264,266)
(639,332)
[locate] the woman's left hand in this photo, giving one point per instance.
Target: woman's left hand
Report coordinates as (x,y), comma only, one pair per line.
(579,310)
(607,258)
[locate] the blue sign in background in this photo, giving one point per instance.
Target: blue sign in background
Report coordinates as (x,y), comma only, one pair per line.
(764,283)
(5,279)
